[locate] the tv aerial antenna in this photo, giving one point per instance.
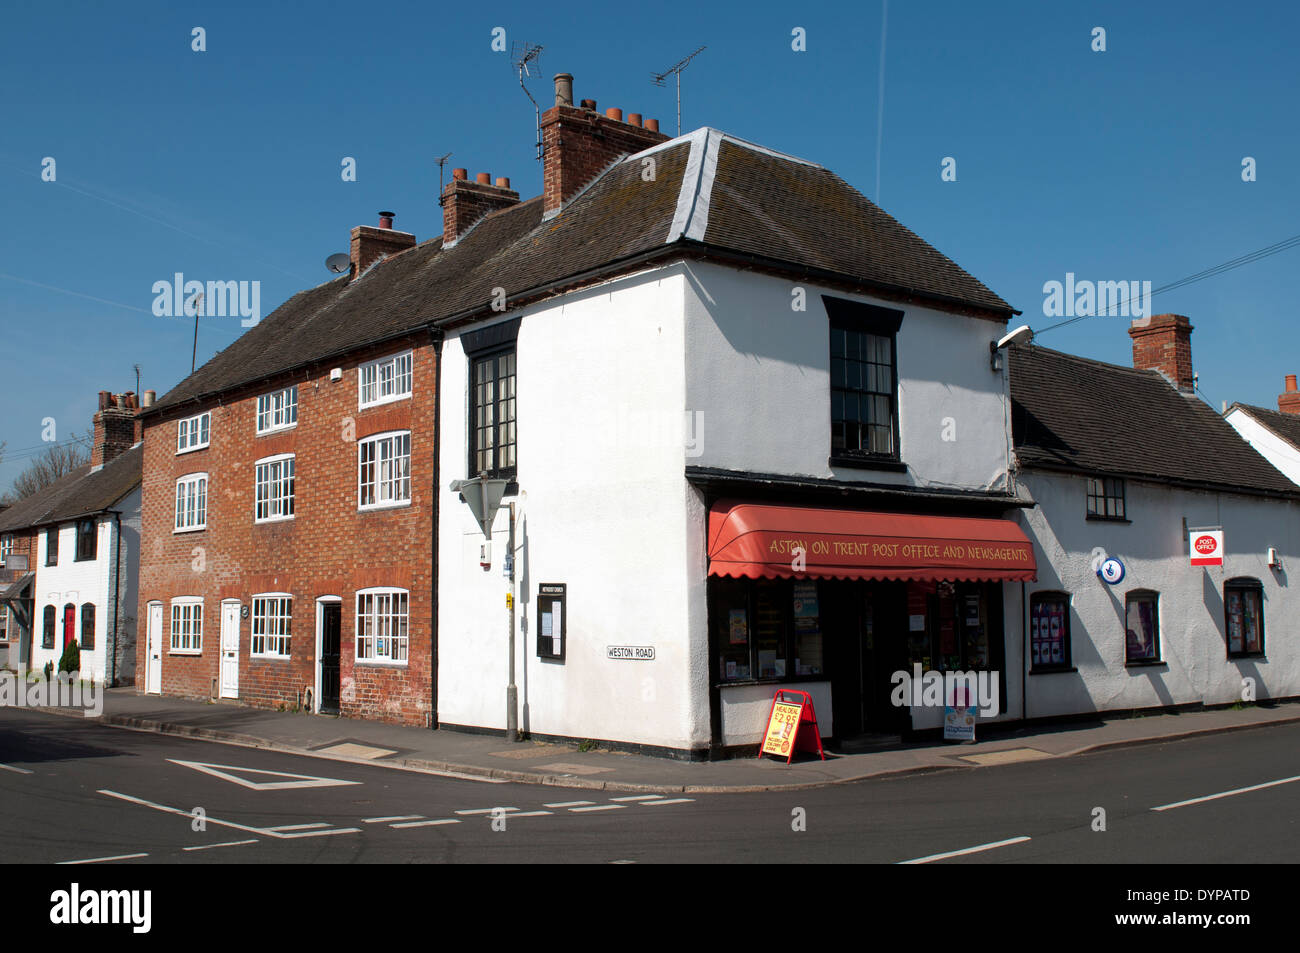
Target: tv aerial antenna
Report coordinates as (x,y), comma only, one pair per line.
(522,55)
(660,79)
(442,161)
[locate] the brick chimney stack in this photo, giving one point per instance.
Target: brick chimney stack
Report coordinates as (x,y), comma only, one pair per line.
(578,143)
(1289,402)
(1164,344)
(370,244)
(115,426)
(465,202)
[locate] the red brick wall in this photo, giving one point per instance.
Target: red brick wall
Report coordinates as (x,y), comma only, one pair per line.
(1165,344)
(464,203)
(329,548)
(578,144)
(369,244)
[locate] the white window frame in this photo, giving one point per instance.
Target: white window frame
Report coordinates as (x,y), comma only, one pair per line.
(386,474)
(374,626)
(279,502)
(193,433)
(276,622)
(274,410)
(6,546)
(200,494)
(400,370)
(180,641)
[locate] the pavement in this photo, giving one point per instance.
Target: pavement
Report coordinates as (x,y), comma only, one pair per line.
(479,756)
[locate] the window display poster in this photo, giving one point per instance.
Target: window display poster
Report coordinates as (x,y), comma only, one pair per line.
(1047,633)
(805,600)
(767,663)
(739,627)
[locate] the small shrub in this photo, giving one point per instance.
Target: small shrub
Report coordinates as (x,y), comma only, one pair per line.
(71,660)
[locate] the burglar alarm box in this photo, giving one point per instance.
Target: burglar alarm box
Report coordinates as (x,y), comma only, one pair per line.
(551,637)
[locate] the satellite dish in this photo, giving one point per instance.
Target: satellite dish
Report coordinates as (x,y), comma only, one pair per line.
(338,263)
(1021,335)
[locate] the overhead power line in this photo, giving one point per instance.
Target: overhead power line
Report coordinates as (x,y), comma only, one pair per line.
(1266,252)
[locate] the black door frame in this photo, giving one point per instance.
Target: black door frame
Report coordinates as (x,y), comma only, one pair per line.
(324,706)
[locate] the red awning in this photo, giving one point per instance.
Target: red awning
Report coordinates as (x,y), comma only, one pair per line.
(762,541)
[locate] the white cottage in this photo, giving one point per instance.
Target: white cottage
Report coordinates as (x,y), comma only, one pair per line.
(752,436)
(78,582)
(1129,465)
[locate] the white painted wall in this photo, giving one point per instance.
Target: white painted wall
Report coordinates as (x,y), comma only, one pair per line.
(1153,549)
(604,508)
(1269,445)
(760,374)
(91,580)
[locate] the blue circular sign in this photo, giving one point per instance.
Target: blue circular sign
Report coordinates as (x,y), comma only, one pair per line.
(1111,571)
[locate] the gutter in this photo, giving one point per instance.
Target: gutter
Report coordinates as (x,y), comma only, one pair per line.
(436,338)
(117,594)
(1077,470)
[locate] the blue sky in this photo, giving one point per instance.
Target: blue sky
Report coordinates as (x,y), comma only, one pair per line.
(224,165)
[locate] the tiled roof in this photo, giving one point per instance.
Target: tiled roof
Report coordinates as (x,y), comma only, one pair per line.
(79,493)
(710,193)
(1286,426)
(1071,413)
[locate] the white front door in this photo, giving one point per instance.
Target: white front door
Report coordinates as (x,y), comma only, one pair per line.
(153,651)
(230,650)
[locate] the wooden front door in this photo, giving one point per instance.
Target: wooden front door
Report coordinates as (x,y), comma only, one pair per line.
(69,624)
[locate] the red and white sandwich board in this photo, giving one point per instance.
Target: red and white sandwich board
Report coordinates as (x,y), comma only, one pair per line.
(1207,546)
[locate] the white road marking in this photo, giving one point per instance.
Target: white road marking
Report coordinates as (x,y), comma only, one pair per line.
(968,850)
(229,843)
(530,814)
(395,817)
(300,780)
(569,803)
(101,860)
(598,807)
(449,820)
(488,810)
(10,767)
(298,827)
(671,800)
(638,797)
(266,832)
(1215,797)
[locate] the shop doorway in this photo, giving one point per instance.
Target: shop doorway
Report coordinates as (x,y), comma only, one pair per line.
(866,629)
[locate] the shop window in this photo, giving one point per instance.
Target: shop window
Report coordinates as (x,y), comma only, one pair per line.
(1243,602)
(1106,498)
(1142,638)
(766,629)
(87,625)
(864,382)
(47,630)
(1049,630)
(87,539)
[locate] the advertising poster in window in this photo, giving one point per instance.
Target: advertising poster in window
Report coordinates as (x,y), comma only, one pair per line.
(807,630)
(739,627)
(1234,622)
(1047,633)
